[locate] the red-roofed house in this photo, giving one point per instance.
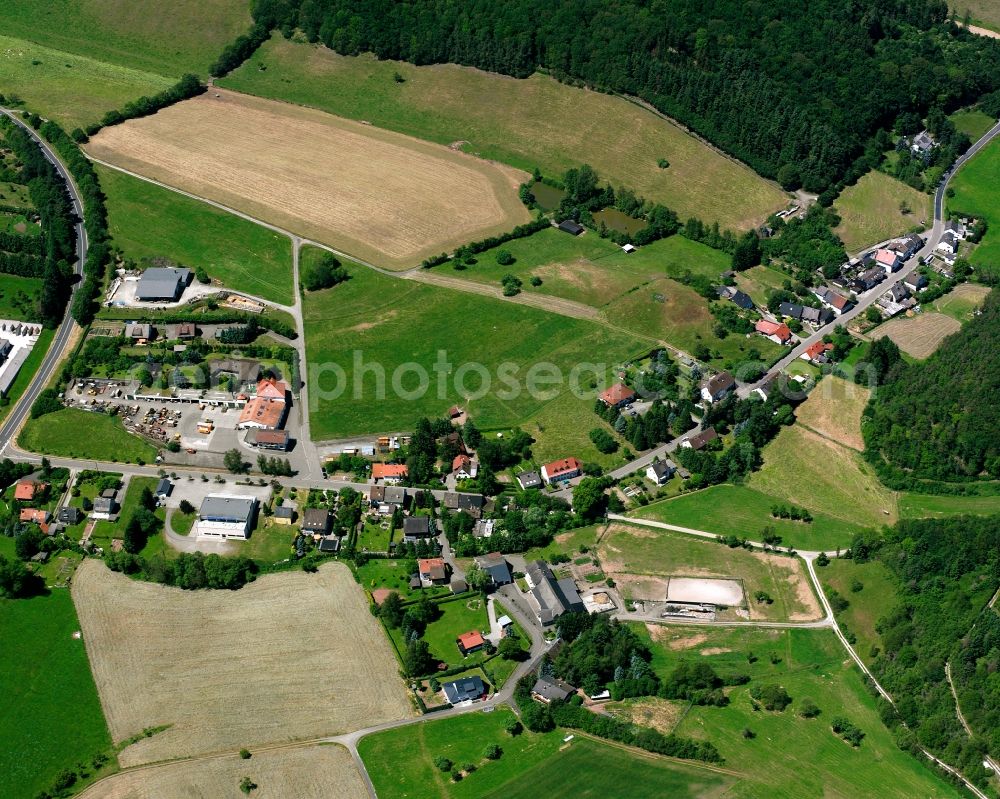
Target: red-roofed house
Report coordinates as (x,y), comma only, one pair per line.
(471,641)
(25,490)
(464,468)
(888,260)
(617,395)
(561,470)
(837,303)
(390,473)
(266,411)
(37,516)
(778,332)
(816,353)
(272,389)
(432,571)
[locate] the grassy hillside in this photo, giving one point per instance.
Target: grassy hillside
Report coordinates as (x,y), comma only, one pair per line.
(977,192)
(526,123)
(146,220)
(973,123)
(398,325)
(870,211)
(876,597)
(790,756)
(75,90)
(50,718)
(185,36)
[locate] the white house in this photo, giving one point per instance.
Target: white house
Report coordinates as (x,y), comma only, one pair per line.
(661,471)
(948,243)
(225,516)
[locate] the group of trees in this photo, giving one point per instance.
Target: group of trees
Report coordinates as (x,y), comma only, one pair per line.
(532,519)
(188,570)
(937,419)
(142,524)
(806,245)
(924,171)
(661,422)
(722,71)
(603,653)
(324,274)
(945,572)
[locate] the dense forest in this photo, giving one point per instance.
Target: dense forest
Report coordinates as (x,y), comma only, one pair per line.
(794,89)
(938,419)
(946,571)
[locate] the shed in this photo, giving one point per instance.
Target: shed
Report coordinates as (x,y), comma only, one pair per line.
(571,227)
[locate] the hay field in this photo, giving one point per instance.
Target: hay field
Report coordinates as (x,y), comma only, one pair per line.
(376,194)
(962,301)
(526,123)
(833,409)
(870,212)
(312,772)
(291,656)
(920,335)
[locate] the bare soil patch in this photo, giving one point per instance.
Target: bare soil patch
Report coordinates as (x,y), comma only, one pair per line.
(708,651)
(660,714)
(674,640)
(291,656)
(377,194)
(719,592)
(313,772)
(920,335)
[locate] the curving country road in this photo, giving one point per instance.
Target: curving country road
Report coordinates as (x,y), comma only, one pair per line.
(65,331)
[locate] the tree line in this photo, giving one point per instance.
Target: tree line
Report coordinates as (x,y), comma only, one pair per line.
(188,86)
(796,92)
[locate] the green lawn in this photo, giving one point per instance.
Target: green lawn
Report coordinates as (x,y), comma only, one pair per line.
(394,575)
(973,123)
(525,123)
(269,543)
(977,192)
(631,553)
(876,599)
(790,757)
(19,297)
(808,470)
(181,523)
(104,530)
(28,369)
(961,302)
(916,506)
(147,220)
(457,617)
(131,33)
(401,764)
(568,543)
(870,210)
(563,426)
(373,538)
(75,90)
(60,433)
(728,509)
(759,281)
(395,328)
(50,718)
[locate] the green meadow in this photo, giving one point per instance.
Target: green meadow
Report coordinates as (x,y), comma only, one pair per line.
(139,34)
(972,122)
(876,597)
(789,757)
(146,220)
(58,433)
(916,506)
(50,718)
(878,207)
(380,331)
(75,90)
(977,192)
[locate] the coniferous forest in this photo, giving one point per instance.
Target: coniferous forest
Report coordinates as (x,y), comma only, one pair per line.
(938,420)
(795,89)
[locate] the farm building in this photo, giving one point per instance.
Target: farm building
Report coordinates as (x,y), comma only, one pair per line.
(467,689)
(561,471)
(225,516)
(162,284)
(571,227)
(617,395)
(548,597)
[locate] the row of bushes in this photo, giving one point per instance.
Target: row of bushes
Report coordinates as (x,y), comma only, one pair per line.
(188,86)
(519,232)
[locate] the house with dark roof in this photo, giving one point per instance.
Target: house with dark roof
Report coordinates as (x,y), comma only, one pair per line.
(529,480)
(395,496)
(948,243)
(551,689)
(496,568)
(69,514)
(700,439)
(329,544)
(162,284)
(316,521)
(661,471)
(284,514)
(548,597)
(467,689)
(790,309)
(717,387)
(163,488)
(914,281)
(571,227)
(418,528)
(742,300)
(268,439)
(869,279)
(817,317)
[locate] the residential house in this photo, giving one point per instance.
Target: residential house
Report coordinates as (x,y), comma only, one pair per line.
(661,471)
(395,497)
(571,227)
(551,689)
(700,439)
(717,387)
(767,388)
(432,571)
(27,489)
(140,332)
(742,300)
(948,243)
(561,471)
(914,281)
(418,528)
(226,516)
(162,284)
(267,409)
(817,317)
(887,260)
(316,521)
(898,292)
(496,568)
(817,352)
(183,331)
(483,528)
(470,642)
(777,332)
(284,515)
(69,514)
(548,597)
(922,144)
(389,473)
(37,516)
(617,395)
(529,480)
(471,504)
(466,689)
(792,310)
(163,489)
(837,303)
(869,279)
(464,468)
(105,507)
(956,229)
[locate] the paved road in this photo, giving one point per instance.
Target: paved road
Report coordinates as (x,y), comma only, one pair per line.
(65,331)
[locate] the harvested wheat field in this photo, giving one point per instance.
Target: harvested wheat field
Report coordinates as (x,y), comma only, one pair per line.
(379,195)
(833,409)
(291,656)
(920,335)
(311,772)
